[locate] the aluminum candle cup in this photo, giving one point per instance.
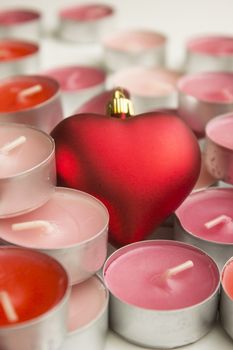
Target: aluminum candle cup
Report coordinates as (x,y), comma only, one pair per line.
(85,23)
(134,47)
(226,302)
(88,316)
(163,294)
(209,53)
(204,96)
(20,23)
(205,179)
(32,100)
(204,220)
(27,172)
(219,148)
(34,300)
(18,57)
(72,227)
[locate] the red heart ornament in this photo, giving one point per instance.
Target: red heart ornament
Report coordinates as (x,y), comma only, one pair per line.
(141,168)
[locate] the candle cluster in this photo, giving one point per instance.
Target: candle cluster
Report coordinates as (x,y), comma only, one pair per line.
(126,159)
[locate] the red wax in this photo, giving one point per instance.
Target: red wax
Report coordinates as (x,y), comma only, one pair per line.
(88,12)
(11,87)
(17,16)
(212,45)
(34,282)
(16,49)
(227,279)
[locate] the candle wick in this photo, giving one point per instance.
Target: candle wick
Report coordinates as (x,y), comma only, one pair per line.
(12,145)
(32,90)
(179,268)
(221,219)
(30,225)
(8,307)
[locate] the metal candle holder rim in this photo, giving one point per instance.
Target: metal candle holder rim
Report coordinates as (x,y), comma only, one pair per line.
(212,121)
(20,41)
(222,273)
(78,6)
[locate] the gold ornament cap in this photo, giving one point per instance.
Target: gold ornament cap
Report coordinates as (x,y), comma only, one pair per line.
(120,106)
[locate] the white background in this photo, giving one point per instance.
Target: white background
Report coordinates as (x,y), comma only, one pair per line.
(178,19)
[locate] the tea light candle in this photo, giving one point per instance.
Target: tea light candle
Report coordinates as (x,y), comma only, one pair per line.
(33,300)
(20,23)
(33,100)
(27,158)
(88,315)
(85,23)
(205,178)
(204,96)
(72,227)
(78,84)
(212,228)
(219,148)
(209,53)
(163,293)
(149,88)
(18,57)
(134,47)
(226,302)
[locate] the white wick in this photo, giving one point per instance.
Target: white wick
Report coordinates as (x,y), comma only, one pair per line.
(179,268)
(12,145)
(221,219)
(28,225)
(8,307)
(32,90)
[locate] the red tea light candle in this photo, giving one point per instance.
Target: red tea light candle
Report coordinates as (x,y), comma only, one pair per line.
(88,315)
(27,171)
(149,88)
(209,53)
(134,47)
(34,296)
(78,84)
(18,57)
(204,96)
(33,100)
(163,294)
(205,220)
(20,23)
(219,148)
(85,23)
(72,227)
(226,302)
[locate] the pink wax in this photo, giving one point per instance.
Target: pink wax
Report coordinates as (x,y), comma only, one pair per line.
(90,12)
(76,78)
(11,49)
(220,131)
(17,16)
(146,81)
(134,275)
(87,301)
(227,278)
(212,45)
(204,206)
(214,87)
(135,40)
(74,216)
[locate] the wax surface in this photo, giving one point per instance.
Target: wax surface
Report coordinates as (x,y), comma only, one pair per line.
(227,279)
(17,16)
(212,45)
(75,218)
(89,12)
(204,206)
(14,49)
(135,277)
(146,82)
(34,282)
(77,77)
(210,87)
(220,131)
(10,99)
(86,302)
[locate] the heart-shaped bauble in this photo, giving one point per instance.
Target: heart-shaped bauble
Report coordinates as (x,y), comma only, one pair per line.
(141,167)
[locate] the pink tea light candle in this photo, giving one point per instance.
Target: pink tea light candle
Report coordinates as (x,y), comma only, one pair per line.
(31,99)
(203,96)
(209,53)
(78,84)
(85,23)
(27,171)
(163,294)
(219,148)
(149,88)
(226,302)
(205,220)
(20,23)
(72,227)
(18,57)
